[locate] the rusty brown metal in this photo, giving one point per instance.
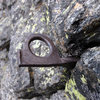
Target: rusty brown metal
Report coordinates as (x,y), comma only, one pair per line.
(28,59)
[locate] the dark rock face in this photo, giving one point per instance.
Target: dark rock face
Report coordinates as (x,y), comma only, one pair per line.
(85,80)
(73,26)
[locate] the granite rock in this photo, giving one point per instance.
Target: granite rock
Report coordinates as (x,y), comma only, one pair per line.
(73,26)
(84,84)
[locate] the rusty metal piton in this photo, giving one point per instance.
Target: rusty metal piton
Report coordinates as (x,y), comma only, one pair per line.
(28,59)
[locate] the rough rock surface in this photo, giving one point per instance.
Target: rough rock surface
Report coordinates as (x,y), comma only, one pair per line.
(73,26)
(3,65)
(84,84)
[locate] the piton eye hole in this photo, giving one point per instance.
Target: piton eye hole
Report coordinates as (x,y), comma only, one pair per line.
(39,48)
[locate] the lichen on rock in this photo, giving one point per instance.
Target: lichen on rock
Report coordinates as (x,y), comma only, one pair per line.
(73,26)
(84,82)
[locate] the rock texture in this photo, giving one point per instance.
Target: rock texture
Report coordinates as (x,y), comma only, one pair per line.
(73,26)
(84,84)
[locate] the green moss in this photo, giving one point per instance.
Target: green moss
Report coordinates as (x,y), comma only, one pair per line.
(42,69)
(71,89)
(47,79)
(67,98)
(78,95)
(47,16)
(66,36)
(98,80)
(63,76)
(42,19)
(51,72)
(33,27)
(30,89)
(83,79)
(47,12)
